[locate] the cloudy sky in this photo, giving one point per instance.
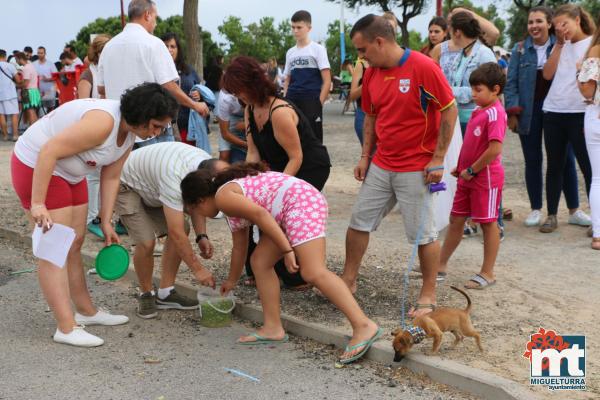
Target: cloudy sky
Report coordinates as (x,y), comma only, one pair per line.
(53,23)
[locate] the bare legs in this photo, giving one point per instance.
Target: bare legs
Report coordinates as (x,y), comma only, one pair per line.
(4,126)
(61,285)
(143,262)
(491,245)
(356,247)
(170,262)
(311,259)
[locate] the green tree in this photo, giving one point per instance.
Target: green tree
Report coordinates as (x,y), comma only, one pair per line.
(112,26)
(405,10)
(332,44)
(415,41)
(261,40)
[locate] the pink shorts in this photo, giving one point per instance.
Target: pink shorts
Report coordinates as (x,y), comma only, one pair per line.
(60,192)
(480,204)
(304,214)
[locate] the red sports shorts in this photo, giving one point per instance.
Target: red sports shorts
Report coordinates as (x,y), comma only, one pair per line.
(478,203)
(60,194)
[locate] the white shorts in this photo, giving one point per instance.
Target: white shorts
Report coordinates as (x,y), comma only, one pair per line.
(9,107)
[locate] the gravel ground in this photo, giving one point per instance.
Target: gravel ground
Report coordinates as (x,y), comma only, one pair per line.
(171,357)
(544,280)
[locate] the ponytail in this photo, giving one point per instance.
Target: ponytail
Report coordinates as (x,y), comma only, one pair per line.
(587,23)
(202,183)
(467,24)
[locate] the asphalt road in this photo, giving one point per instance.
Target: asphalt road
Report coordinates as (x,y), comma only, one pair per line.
(168,358)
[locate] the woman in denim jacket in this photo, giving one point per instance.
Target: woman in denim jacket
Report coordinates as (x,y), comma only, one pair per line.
(460,56)
(524,95)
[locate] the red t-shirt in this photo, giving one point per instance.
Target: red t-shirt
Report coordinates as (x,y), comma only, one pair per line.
(406,101)
(485,125)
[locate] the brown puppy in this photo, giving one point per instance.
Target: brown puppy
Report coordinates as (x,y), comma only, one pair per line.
(433,325)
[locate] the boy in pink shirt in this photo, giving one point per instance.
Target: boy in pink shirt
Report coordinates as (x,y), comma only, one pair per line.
(480,173)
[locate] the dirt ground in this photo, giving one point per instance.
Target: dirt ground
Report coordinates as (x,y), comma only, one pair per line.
(543,280)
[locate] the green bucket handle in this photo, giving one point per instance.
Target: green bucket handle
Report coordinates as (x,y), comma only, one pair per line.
(218,309)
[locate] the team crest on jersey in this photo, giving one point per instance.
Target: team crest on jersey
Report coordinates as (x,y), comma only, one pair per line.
(477,131)
(404,85)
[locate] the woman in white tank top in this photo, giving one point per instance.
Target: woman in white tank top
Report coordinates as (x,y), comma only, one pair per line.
(49,165)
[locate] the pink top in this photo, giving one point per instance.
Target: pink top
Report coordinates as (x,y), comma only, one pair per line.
(298,208)
(30,73)
(486,124)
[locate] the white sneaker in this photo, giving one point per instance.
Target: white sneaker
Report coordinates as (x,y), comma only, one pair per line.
(534,218)
(78,337)
(580,218)
(101,318)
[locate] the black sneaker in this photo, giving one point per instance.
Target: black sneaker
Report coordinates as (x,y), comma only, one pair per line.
(175,300)
(147,306)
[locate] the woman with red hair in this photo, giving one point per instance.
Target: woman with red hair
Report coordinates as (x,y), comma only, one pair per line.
(277,132)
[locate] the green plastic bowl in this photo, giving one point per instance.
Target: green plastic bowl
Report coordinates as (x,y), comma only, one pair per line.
(112,262)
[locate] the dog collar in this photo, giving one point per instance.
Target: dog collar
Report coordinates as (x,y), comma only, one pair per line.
(417,333)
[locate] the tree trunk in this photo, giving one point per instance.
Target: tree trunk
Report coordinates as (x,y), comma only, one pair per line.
(193,51)
(405,33)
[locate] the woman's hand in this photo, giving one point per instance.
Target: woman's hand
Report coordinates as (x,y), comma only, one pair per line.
(227,286)
(454,172)
(513,123)
(562,34)
(41,217)
(205,277)
(110,236)
(290,262)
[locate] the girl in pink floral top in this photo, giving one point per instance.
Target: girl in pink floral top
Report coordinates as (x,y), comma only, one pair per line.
(291,215)
(589,86)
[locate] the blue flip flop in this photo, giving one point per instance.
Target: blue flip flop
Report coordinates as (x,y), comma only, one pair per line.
(366,346)
(263,340)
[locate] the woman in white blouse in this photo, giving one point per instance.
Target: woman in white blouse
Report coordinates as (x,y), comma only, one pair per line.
(588,82)
(48,167)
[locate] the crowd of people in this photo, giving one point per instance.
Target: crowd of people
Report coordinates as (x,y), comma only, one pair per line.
(134,145)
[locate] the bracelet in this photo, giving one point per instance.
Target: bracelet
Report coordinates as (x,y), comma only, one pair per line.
(37,206)
(289,251)
(201,236)
(365,156)
(438,168)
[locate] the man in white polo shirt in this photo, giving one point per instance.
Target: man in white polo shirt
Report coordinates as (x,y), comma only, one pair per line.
(136,56)
(149,205)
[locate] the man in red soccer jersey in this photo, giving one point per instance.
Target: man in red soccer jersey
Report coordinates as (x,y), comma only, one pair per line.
(410,117)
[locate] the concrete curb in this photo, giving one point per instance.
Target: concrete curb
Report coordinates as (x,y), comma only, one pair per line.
(462,377)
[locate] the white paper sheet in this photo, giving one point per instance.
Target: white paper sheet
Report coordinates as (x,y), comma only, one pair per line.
(443,200)
(54,245)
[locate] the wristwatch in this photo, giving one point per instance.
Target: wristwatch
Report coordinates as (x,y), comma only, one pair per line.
(201,236)
(471,172)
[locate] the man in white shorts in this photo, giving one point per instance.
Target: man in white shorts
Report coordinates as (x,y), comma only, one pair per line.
(9,105)
(150,206)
